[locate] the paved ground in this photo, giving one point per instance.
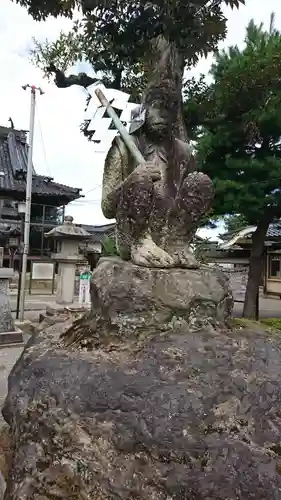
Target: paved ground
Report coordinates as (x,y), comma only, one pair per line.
(268,308)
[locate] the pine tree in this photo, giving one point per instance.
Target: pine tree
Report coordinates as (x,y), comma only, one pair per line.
(240,136)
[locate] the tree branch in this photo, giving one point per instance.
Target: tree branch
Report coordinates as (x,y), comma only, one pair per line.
(63,81)
(117,79)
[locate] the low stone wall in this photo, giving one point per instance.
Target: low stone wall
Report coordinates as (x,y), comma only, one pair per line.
(36,284)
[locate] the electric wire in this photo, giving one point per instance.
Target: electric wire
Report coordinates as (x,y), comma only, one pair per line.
(42,140)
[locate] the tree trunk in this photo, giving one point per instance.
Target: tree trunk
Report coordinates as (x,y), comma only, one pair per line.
(164,68)
(255,270)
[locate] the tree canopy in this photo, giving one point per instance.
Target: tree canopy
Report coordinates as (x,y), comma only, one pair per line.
(235,222)
(240,146)
(239,130)
(114,37)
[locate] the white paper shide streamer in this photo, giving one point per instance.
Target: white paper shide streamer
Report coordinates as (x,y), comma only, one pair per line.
(131,115)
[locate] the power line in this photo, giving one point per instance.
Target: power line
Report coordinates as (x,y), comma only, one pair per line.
(42,141)
(93,189)
(82,200)
(45,155)
(81,204)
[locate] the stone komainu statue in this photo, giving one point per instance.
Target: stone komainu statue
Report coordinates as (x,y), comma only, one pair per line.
(158,204)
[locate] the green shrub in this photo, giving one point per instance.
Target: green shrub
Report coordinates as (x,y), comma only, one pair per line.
(109,247)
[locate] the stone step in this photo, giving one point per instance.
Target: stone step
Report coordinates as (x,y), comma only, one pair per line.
(11,338)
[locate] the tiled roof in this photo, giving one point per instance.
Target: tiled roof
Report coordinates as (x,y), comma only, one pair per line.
(274,230)
(99,232)
(105,228)
(13,168)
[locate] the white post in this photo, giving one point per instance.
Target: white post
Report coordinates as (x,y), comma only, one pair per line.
(28,198)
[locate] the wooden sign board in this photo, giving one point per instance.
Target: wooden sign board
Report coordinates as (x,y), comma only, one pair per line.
(42,271)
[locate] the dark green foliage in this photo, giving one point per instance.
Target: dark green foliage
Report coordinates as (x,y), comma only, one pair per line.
(240,146)
(235,222)
(198,106)
(201,250)
(109,247)
(41,9)
(239,138)
(114,37)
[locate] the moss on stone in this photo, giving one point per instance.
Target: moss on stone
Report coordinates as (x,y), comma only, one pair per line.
(267,324)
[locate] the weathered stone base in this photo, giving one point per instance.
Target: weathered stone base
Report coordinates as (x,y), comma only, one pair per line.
(57,310)
(129,298)
(11,338)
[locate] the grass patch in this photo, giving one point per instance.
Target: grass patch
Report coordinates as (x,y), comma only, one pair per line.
(272,323)
(268,324)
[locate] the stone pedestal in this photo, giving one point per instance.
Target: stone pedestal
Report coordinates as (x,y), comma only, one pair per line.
(130,298)
(9,334)
(6,320)
(66,278)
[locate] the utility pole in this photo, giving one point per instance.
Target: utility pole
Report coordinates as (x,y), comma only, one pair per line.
(33,90)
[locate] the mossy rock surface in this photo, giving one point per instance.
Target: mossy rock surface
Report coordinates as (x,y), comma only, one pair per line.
(184,415)
(270,325)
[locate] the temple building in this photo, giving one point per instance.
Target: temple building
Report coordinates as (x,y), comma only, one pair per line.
(49,199)
(237,246)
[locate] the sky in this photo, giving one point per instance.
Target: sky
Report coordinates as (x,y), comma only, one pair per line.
(60,150)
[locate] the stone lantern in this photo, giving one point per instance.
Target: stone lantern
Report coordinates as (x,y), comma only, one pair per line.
(69,237)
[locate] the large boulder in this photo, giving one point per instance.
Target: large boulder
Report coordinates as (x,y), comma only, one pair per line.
(184,415)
